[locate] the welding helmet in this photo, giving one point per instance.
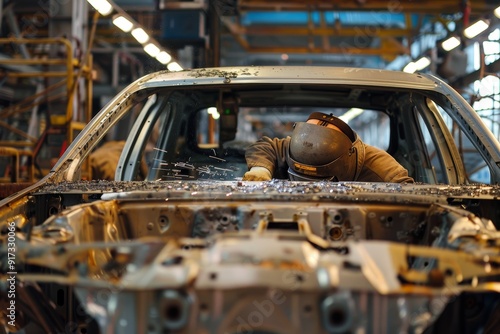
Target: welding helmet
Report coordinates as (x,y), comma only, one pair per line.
(317,152)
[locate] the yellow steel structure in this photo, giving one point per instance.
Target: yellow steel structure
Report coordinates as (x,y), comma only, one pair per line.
(66,67)
(318,34)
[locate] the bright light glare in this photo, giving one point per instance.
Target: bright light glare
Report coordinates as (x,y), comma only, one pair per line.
(411,67)
(163,57)
(450,43)
(216,115)
(152,50)
(102,6)
(140,35)
(173,66)
(351,113)
(212,110)
(123,23)
(497,12)
(476,29)
(422,63)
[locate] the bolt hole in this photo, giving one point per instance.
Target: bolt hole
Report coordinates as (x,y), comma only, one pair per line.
(337,317)
(173,312)
(163,220)
(335,233)
(53,210)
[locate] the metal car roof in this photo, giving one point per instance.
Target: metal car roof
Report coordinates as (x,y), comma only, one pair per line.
(309,74)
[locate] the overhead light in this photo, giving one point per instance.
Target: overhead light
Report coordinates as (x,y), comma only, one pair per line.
(497,12)
(411,67)
(123,23)
(450,43)
(351,113)
(152,50)
(476,28)
(174,67)
(140,35)
(102,6)
(163,57)
(422,63)
(418,65)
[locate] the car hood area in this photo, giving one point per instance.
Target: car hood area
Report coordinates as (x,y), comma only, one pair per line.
(246,256)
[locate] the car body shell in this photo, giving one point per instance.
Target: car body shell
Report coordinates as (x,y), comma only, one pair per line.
(230,256)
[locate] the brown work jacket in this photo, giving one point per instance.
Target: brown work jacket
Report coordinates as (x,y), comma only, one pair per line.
(374,164)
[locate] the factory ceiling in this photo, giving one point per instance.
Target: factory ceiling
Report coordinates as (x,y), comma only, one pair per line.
(361,33)
(364,33)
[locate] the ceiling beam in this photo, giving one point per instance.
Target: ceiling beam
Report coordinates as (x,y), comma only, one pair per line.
(384,51)
(390,46)
(395,6)
(339,31)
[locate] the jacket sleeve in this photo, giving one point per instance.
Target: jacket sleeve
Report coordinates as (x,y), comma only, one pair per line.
(380,166)
(269,153)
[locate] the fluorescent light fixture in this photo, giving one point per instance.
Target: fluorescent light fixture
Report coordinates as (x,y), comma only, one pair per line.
(351,113)
(123,23)
(102,6)
(497,12)
(174,67)
(140,35)
(163,57)
(152,50)
(418,65)
(450,43)
(411,67)
(422,63)
(476,28)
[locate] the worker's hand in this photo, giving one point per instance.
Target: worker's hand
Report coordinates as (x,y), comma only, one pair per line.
(257,174)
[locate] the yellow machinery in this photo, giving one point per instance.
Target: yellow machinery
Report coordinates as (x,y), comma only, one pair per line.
(63,104)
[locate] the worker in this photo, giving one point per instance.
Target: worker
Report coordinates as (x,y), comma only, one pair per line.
(104,160)
(323,148)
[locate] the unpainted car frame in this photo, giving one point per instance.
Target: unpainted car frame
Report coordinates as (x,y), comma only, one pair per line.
(228,256)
